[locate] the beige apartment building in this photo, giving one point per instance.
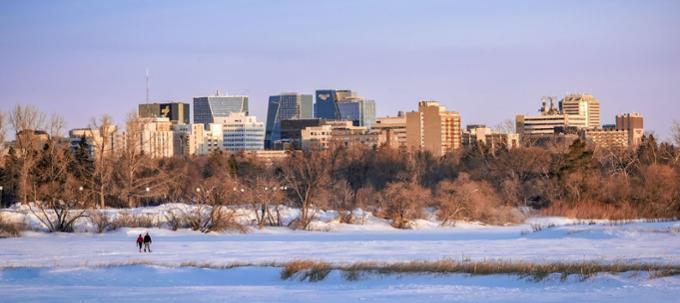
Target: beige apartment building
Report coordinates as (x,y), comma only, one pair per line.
(432,128)
(634,124)
(95,142)
(480,134)
(627,133)
(156,138)
(394,129)
(340,133)
(188,139)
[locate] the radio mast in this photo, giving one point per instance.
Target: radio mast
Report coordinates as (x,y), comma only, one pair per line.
(147,85)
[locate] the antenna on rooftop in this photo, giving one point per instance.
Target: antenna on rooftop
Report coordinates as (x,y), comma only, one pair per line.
(147,85)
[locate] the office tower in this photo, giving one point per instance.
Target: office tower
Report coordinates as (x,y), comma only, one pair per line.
(208,109)
(176,112)
(433,129)
(286,106)
(360,111)
(326,106)
(242,132)
(549,119)
(582,105)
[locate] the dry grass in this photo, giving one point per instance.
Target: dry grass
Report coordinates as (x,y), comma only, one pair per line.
(316,271)
(124,219)
(306,270)
(10,229)
(597,210)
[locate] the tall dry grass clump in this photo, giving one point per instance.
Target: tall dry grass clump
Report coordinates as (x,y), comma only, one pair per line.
(10,229)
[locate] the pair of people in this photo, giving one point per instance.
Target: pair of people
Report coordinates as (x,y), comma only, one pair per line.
(145,241)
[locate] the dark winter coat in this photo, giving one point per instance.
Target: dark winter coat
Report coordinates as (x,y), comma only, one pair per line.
(147,239)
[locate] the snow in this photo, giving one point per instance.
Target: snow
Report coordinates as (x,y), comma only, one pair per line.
(87,266)
(262,284)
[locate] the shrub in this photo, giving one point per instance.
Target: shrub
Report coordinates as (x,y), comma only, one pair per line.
(124,219)
(177,219)
(466,199)
(404,202)
(101,222)
(10,229)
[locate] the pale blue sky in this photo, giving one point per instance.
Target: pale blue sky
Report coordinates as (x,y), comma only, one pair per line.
(489,60)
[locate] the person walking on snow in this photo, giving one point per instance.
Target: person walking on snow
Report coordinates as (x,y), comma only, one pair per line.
(147,242)
(140,241)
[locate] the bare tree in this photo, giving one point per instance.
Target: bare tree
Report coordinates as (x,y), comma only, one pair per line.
(212,201)
(343,199)
(2,131)
(403,202)
(261,194)
(101,179)
(26,121)
(306,175)
(136,174)
(59,199)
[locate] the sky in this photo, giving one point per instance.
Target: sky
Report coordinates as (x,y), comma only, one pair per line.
(488,60)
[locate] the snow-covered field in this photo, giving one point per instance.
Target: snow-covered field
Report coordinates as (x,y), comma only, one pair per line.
(77,267)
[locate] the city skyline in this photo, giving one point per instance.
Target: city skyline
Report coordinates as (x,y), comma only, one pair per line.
(93,56)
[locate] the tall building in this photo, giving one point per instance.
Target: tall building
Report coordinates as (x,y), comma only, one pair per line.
(242,132)
(208,109)
(432,128)
(394,129)
(157,137)
(188,139)
(634,124)
(176,112)
(358,110)
(551,118)
(582,105)
(344,105)
(326,106)
(286,106)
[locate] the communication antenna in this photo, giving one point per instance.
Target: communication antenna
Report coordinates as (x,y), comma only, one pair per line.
(147,85)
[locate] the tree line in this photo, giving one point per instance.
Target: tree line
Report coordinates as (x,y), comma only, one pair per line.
(491,184)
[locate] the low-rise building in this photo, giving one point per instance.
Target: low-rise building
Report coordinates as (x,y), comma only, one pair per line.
(94,140)
(394,129)
(480,134)
(340,133)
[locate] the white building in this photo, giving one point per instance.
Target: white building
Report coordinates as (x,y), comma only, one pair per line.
(241,132)
(156,138)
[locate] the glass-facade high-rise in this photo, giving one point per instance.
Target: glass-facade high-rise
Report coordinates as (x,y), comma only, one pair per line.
(326,106)
(285,107)
(206,109)
(360,111)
